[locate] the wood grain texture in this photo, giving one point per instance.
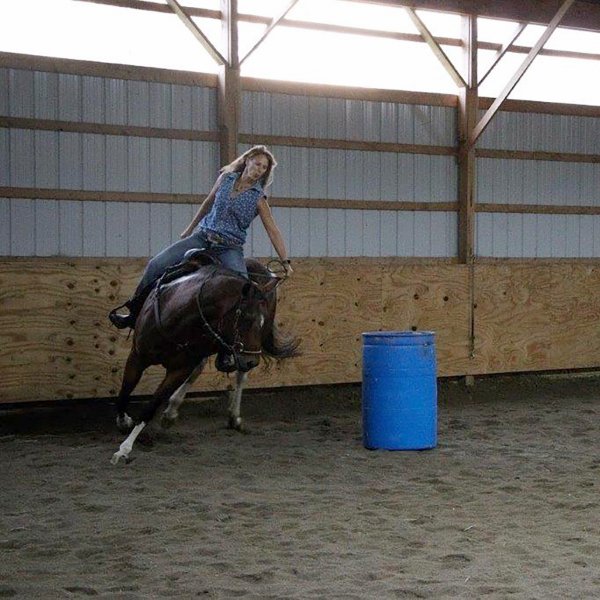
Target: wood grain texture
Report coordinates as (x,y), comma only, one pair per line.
(56,342)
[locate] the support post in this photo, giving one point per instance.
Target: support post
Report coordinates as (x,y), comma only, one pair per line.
(229,92)
(467,116)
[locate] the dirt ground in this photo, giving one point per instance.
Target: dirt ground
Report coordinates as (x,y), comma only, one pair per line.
(506,506)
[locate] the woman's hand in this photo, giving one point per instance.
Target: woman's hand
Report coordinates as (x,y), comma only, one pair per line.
(186,232)
(288,268)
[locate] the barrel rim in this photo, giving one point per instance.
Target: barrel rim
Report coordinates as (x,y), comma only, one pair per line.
(399,334)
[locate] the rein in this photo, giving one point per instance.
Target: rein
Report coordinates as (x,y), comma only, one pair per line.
(238,346)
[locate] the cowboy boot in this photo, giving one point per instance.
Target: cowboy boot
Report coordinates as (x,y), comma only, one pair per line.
(134,305)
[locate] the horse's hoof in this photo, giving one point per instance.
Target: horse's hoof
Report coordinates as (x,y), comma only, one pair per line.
(236,424)
(125,424)
(167,422)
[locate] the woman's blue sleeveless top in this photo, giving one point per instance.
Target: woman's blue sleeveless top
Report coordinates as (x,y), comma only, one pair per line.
(230,218)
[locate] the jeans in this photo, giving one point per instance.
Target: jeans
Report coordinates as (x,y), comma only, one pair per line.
(232,257)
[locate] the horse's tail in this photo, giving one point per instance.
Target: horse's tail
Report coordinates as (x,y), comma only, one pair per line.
(279,345)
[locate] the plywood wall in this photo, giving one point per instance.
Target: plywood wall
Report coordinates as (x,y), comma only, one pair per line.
(56,342)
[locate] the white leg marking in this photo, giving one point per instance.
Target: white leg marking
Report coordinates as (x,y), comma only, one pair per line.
(235,400)
(126,447)
(171,413)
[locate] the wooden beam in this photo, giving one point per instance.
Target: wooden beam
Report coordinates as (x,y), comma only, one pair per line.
(197,32)
(467,115)
(585,14)
(274,22)
(108,129)
(504,49)
(229,87)
(489,115)
(437,49)
(336,144)
(19,193)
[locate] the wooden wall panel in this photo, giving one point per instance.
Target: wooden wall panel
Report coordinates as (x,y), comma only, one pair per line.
(531,318)
(56,343)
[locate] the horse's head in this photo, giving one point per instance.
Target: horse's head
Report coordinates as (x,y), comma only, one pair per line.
(248,322)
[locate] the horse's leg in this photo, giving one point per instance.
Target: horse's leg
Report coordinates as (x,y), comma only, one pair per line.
(172,381)
(171,413)
(132,374)
(235,400)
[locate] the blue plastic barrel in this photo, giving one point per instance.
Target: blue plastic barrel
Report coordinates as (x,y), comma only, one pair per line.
(399,390)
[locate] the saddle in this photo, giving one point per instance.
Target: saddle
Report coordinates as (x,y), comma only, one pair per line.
(193,259)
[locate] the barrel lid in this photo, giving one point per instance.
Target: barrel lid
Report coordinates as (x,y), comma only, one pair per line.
(399,337)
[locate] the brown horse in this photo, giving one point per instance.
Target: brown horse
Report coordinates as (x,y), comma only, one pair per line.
(182,323)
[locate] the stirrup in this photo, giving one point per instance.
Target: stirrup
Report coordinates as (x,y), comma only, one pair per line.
(121,321)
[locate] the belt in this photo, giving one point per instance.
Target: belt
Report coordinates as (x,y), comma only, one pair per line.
(214,238)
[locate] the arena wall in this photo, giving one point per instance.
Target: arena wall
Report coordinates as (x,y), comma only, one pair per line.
(102,165)
(57,343)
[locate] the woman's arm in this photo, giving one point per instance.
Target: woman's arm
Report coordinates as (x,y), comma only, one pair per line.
(264,210)
(204,208)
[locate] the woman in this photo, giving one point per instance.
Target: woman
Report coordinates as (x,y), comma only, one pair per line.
(220,225)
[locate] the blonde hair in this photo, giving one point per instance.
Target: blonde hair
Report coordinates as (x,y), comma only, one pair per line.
(239,164)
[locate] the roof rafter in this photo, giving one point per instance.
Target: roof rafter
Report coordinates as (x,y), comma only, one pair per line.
(437,49)
(274,22)
(489,115)
(197,32)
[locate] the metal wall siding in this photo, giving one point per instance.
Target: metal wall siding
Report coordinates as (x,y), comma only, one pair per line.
(181,105)
(4,83)
(181,215)
(336,232)
(115,99)
(542,132)
(363,175)
(5,226)
(71,228)
(5,158)
(46,159)
(22,162)
(204,109)
(160,105)
(47,225)
(21,93)
(116,228)
(93,100)
(318,232)
(160,227)
(116,163)
(138,103)
(160,166)
(138,155)
(22,232)
(354,233)
(69,164)
(336,118)
(389,233)
(298,242)
(94,229)
(537,235)
(537,182)
(69,97)
(371,233)
(45,87)
(181,171)
(94,162)
(138,229)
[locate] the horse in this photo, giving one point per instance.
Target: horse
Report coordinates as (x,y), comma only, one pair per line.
(187,319)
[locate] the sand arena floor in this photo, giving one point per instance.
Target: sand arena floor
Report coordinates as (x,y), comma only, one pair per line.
(507,505)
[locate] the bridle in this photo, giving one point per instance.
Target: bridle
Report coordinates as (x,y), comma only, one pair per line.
(237,347)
